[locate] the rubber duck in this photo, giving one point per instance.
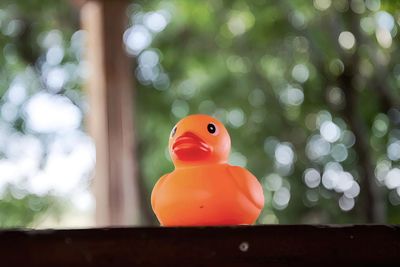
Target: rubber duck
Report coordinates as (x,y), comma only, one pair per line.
(204,189)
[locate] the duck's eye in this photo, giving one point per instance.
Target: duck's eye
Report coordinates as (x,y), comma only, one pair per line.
(211,128)
(173,131)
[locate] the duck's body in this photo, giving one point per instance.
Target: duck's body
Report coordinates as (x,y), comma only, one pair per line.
(214,194)
(203,189)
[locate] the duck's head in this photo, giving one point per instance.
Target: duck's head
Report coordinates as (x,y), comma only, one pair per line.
(199,139)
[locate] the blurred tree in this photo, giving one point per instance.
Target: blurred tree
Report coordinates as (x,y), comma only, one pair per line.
(41,144)
(313,83)
(307,89)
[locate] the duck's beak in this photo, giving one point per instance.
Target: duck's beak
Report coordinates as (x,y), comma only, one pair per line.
(190,147)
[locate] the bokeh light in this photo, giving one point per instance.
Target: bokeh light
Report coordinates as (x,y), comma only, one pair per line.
(307,90)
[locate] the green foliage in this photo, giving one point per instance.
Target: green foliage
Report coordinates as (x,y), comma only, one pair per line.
(273,71)
(240,61)
(19,209)
(24,25)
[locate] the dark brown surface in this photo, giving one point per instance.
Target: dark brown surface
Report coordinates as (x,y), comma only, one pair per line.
(279,245)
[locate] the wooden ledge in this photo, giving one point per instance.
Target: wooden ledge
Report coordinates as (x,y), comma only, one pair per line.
(272,245)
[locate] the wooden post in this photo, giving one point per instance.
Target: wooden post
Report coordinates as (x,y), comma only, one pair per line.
(110,119)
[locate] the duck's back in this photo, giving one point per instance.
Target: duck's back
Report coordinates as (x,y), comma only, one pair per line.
(206,195)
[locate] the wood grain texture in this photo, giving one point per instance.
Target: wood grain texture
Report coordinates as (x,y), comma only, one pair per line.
(275,245)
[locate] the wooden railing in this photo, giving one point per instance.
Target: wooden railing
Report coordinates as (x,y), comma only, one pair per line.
(275,245)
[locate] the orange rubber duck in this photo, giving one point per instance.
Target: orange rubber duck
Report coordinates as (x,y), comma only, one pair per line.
(203,189)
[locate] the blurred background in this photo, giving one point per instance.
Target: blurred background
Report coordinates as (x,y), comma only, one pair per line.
(309,91)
